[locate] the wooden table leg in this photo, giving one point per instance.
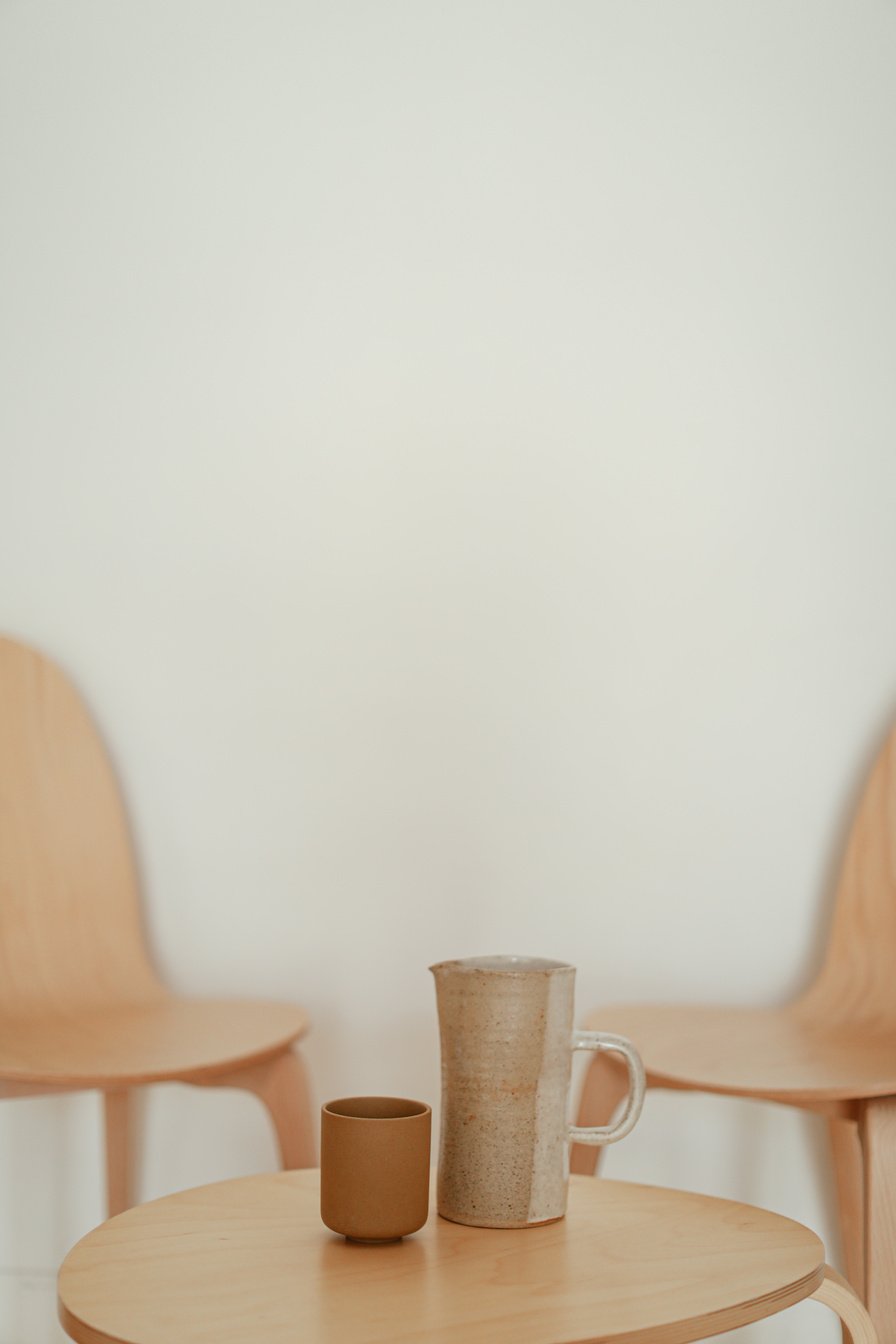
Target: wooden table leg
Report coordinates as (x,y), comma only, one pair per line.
(282,1085)
(877,1128)
(118,1107)
(846,1150)
(837,1294)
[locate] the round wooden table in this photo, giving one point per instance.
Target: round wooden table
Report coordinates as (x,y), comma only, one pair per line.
(250,1260)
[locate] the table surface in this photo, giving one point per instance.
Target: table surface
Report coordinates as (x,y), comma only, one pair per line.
(250,1259)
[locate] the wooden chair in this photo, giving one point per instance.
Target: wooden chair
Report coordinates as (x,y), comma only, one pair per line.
(80,1004)
(832,1051)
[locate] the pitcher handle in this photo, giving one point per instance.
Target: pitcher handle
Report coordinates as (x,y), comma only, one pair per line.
(593,1135)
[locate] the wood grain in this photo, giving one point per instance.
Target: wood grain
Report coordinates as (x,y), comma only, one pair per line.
(118,1118)
(846,1150)
(836,1293)
(778,1054)
(251,1259)
(70,930)
(122,1045)
(878,1134)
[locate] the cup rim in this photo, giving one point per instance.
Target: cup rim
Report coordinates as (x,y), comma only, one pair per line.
(504,964)
(413,1109)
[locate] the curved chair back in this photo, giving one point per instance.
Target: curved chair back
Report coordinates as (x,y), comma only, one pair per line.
(858,978)
(70,932)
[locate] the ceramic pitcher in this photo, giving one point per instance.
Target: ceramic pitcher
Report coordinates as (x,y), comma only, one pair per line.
(507,1041)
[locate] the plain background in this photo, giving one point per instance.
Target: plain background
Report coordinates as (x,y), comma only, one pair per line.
(451,446)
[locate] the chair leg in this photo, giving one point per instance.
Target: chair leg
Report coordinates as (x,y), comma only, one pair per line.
(878,1133)
(606,1083)
(281,1084)
(118,1114)
(837,1294)
(847,1154)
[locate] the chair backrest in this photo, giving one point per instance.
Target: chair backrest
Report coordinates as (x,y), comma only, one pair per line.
(70,932)
(858,979)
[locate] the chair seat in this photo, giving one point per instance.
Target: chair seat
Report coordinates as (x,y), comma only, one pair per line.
(779,1053)
(165,1039)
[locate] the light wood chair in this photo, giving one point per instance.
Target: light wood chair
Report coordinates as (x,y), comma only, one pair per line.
(832,1051)
(80,1005)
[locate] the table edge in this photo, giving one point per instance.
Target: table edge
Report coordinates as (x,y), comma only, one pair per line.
(687,1331)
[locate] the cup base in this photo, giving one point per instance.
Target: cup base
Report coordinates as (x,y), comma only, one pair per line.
(374,1241)
(497,1225)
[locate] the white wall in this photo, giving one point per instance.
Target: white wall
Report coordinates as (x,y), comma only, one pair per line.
(452,448)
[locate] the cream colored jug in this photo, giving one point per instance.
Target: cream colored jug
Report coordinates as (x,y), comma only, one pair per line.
(507,1041)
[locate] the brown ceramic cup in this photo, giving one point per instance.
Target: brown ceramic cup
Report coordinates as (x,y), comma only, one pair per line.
(374,1167)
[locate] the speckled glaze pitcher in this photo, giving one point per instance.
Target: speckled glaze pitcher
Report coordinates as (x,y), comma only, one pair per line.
(507,1043)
